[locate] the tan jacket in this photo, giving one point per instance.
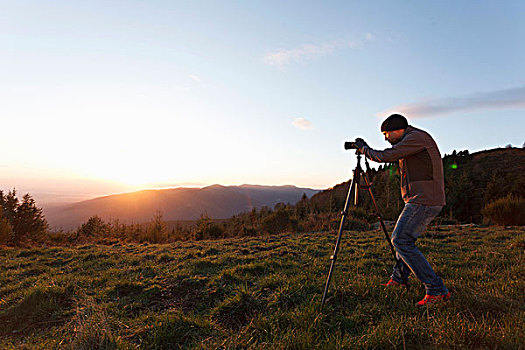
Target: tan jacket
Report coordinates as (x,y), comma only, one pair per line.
(420,166)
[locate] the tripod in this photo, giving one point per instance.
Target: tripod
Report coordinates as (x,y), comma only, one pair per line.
(353,191)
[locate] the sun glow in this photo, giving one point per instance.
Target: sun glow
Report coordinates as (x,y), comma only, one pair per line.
(132,165)
(134,143)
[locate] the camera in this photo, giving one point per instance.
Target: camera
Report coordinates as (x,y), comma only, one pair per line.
(350,145)
(358,143)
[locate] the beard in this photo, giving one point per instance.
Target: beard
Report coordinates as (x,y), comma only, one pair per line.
(393,142)
(396,141)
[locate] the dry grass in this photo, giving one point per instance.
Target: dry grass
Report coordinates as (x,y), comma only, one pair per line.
(262,293)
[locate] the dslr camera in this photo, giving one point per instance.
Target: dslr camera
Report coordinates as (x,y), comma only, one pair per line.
(358,143)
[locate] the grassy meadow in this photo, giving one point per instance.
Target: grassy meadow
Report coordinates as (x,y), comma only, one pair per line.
(263,293)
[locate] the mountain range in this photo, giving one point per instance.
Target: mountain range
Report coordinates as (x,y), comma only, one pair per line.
(217,201)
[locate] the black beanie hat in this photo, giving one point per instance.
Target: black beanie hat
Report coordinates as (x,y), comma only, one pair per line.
(394,122)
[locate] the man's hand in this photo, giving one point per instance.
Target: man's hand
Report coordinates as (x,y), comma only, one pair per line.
(361,145)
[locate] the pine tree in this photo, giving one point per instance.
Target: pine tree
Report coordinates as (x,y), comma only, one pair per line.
(302,208)
(203,226)
(158,231)
(20,220)
(30,221)
(6,231)
(10,204)
(93,227)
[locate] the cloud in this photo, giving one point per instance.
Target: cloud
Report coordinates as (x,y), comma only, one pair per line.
(195,78)
(283,57)
(303,124)
(499,99)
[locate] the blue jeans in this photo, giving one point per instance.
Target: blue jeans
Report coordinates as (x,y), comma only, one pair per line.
(411,223)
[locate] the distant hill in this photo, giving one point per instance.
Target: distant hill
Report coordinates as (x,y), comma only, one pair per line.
(219,202)
(471,181)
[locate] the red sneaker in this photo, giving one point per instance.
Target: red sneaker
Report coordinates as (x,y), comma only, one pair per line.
(433,299)
(393,283)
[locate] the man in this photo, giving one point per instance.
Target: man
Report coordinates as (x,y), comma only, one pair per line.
(423,191)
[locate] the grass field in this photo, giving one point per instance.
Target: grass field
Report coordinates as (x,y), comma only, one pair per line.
(263,293)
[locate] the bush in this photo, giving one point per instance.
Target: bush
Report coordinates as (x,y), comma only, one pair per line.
(206,229)
(277,222)
(357,224)
(509,210)
(93,227)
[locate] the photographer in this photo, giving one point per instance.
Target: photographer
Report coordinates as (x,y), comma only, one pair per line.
(422,189)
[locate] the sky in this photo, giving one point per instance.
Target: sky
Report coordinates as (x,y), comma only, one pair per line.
(101,97)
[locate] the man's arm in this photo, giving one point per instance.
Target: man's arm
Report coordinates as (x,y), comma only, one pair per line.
(407,146)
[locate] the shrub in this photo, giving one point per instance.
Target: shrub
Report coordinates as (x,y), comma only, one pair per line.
(357,224)
(278,221)
(206,229)
(94,226)
(509,210)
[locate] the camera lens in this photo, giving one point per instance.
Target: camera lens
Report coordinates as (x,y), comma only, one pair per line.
(350,145)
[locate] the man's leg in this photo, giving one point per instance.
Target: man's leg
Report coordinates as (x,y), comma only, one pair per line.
(411,223)
(401,271)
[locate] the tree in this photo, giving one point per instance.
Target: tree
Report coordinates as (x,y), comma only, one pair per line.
(157,232)
(206,229)
(493,189)
(9,203)
(20,220)
(6,231)
(94,226)
(30,221)
(461,196)
(302,208)
(278,221)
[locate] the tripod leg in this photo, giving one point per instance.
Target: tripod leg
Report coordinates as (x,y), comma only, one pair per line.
(351,190)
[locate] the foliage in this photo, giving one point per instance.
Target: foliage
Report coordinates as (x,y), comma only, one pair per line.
(94,226)
(20,220)
(207,229)
(509,210)
(263,293)
(157,231)
(278,221)
(471,181)
(6,231)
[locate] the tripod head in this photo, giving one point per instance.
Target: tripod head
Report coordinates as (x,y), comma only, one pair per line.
(359,156)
